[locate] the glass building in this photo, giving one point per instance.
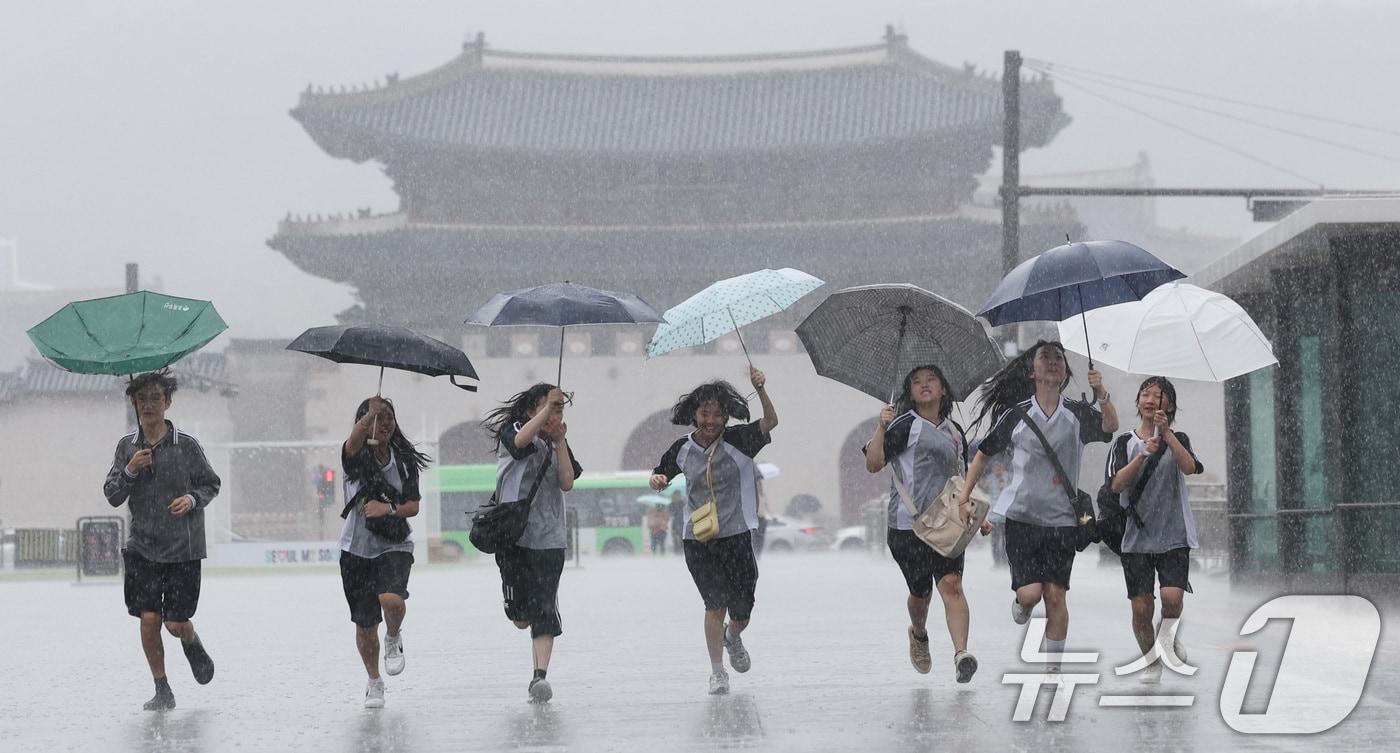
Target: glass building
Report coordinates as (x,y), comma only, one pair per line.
(1313,442)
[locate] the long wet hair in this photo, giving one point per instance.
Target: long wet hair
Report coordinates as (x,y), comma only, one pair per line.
(905,402)
(1013,383)
(1168,392)
(515,410)
(405,449)
(730,401)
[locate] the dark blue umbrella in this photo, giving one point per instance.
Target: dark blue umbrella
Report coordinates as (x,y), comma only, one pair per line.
(563,304)
(1074,278)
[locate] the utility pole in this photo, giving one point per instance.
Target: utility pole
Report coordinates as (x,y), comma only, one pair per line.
(1011,169)
(1011,162)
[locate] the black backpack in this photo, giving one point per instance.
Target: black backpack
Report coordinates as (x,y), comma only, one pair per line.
(1113,517)
(373,485)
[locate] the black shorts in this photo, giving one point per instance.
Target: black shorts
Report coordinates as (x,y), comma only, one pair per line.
(364,578)
(530,586)
(1173,570)
(726,573)
(1039,554)
(921,565)
(170,589)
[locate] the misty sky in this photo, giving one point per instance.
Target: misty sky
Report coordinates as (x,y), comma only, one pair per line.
(157,132)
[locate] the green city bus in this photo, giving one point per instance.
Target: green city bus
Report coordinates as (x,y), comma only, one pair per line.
(610,508)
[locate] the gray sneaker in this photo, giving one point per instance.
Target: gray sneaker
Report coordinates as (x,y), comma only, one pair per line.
(1021,615)
(540,690)
(966,666)
(719,682)
(738,655)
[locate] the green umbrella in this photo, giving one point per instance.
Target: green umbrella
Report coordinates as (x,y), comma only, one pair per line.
(126,334)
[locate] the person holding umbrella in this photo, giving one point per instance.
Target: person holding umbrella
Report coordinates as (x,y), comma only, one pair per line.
(376,549)
(722,509)
(163,477)
(535,465)
(1039,517)
(926,447)
(1160,533)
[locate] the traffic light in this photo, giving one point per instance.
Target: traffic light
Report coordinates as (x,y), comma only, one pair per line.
(325,485)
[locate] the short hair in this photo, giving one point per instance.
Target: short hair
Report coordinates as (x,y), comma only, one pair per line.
(161,378)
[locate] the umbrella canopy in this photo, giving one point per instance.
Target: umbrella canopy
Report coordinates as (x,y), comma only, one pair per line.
(1074,278)
(729,304)
(126,334)
(563,304)
(1177,330)
(387,347)
(869,337)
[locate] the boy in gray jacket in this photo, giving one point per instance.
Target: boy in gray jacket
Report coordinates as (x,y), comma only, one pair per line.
(166,482)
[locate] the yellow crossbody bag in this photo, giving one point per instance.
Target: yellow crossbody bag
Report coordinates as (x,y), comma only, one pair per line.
(704,520)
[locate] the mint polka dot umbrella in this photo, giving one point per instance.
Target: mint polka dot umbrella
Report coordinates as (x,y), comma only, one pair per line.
(729,304)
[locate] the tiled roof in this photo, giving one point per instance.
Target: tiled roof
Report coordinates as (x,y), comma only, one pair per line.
(199,371)
(492,100)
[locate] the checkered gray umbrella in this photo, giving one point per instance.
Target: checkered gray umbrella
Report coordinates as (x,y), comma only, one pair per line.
(869,337)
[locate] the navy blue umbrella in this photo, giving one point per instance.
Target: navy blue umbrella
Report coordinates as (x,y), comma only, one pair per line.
(563,304)
(1074,278)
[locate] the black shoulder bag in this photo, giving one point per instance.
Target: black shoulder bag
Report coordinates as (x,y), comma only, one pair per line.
(497,526)
(1113,517)
(391,528)
(1086,529)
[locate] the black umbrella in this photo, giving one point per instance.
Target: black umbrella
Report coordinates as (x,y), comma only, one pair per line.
(869,337)
(563,304)
(387,347)
(1074,278)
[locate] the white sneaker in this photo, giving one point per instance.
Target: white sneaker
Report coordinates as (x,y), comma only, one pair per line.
(1019,614)
(374,694)
(918,653)
(719,683)
(540,690)
(393,654)
(966,666)
(1152,675)
(738,655)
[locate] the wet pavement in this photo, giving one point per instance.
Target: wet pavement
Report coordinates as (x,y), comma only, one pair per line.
(830,668)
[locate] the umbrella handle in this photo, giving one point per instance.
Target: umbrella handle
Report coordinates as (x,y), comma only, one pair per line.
(372,442)
(739,335)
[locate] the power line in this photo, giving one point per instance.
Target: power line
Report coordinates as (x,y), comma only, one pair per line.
(1189,132)
(1061,76)
(1217,98)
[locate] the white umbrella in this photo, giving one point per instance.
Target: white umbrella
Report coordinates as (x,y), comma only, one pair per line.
(1177,330)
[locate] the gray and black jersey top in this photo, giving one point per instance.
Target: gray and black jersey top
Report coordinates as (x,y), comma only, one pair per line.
(355,536)
(1035,495)
(516,468)
(1165,504)
(178,467)
(924,455)
(733,471)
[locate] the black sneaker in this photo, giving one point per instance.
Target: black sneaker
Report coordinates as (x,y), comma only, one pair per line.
(200,663)
(164,698)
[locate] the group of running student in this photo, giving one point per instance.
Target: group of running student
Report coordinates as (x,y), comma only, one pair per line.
(924,446)
(166,481)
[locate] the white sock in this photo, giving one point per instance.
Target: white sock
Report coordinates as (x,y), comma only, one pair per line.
(716,667)
(1056,650)
(376,681)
